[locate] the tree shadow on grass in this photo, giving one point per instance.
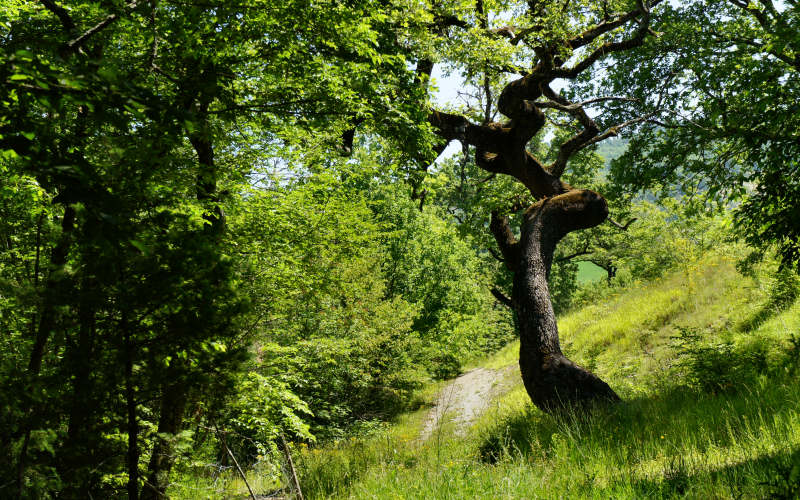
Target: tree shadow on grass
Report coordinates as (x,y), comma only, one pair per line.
(758,318)
(782,296)
(774,475)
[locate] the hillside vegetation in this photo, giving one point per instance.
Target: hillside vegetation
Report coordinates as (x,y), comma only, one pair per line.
(706,360)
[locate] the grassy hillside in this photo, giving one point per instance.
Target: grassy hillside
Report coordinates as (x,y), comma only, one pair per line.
(707,362)
(588,272)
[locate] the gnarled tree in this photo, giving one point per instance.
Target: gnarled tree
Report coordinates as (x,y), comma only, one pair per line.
(559,55)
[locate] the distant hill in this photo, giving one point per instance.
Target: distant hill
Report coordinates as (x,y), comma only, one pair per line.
(611,149)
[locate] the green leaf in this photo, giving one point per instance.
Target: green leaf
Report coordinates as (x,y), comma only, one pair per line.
(140,246)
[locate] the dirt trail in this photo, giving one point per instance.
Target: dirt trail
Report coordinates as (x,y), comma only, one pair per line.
(466,397)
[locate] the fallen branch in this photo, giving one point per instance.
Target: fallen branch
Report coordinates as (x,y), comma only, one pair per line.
(235,462)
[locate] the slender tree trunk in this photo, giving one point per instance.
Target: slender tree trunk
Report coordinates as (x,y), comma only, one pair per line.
(81,363)
(76,456)
(173,404)
(552,381)
(133,425)
(47,318)
(47,322)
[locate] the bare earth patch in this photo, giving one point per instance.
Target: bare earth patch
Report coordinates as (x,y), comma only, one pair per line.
(465,398)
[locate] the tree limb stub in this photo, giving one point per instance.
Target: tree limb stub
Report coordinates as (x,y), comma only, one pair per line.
(502,298)
(509,246)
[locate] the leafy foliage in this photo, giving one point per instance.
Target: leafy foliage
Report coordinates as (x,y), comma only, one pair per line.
(721,83)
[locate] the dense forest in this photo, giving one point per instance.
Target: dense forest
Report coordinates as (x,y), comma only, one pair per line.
(245,245)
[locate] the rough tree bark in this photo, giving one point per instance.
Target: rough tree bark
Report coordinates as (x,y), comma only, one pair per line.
(552,381)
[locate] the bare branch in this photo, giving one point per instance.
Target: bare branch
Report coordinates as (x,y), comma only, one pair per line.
(621,226)
(502,298)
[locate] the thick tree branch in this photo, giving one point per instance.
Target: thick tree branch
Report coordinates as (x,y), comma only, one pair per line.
(502,298)
(509,246)
(61,13)
(610,47)
(501,148)
(348,136)
(76,44)
(496,255)
(571,256)
(491,137)
(607,25)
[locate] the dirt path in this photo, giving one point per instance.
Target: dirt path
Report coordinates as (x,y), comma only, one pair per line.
(465,398)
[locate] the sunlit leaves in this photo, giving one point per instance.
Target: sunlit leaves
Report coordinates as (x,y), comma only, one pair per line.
(725,83)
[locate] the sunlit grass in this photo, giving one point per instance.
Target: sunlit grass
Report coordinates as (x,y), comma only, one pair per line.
(665,440)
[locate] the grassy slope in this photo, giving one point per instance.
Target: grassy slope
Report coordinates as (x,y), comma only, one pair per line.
(588,272)
(665,440)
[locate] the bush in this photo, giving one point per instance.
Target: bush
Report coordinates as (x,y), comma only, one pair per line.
(718,367)
(785,289)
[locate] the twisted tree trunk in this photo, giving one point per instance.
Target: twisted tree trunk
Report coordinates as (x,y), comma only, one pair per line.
(551,380)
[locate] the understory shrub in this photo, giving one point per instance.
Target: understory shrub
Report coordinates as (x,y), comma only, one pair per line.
(718,367)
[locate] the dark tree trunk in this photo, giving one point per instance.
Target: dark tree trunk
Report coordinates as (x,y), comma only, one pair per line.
(173,403)
(132,457)
(175,395)
(551,380)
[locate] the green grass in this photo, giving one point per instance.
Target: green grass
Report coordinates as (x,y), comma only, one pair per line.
(674,436)
(589,272)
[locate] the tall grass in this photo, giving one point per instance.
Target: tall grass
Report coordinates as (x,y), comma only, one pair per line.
(669,438)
